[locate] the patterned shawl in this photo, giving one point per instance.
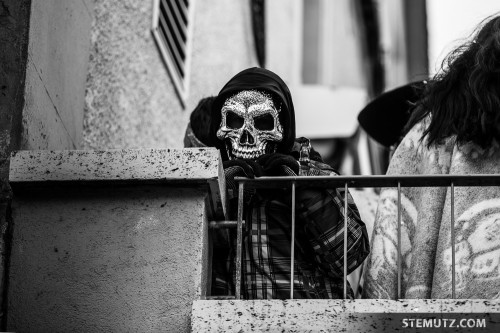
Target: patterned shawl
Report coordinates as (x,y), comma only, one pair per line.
(426,226)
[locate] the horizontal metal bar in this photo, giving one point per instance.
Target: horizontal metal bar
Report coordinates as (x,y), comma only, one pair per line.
(223,224)
(220,297)
(372,181)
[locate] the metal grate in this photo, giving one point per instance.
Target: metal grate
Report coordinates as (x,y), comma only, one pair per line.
(357,182)
(172,22)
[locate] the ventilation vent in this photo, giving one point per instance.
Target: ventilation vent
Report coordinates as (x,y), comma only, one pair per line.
(172,30)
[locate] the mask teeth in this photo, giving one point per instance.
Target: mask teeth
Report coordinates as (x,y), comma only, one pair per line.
(262,147)
(229,151)
(247,152)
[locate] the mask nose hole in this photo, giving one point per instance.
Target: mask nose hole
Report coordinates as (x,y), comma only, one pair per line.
(247,138)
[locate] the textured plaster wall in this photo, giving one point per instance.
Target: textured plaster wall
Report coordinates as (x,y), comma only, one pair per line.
(110,241)
(130,101)
(123,259)
(58,53)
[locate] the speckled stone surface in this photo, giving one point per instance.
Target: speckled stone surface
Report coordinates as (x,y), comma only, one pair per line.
(147,164)
(125,257)
(130,100)
(105,259)
(319,315)
(198,165)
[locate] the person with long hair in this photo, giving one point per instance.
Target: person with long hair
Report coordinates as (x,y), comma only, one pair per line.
(454,129)
(463,100)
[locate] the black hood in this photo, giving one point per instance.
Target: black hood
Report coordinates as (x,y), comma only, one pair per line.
(264,80)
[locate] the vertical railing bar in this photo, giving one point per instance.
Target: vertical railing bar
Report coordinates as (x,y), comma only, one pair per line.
(399,240)
(346,194)
(452,187)
(292,250)
(239,240)
(399,227)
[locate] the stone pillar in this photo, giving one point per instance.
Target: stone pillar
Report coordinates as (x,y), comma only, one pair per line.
(112,240)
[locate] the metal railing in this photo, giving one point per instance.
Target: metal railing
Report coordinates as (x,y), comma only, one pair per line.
(329,182)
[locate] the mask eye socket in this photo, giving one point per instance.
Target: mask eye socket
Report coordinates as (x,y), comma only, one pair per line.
(234,121)
(264,122)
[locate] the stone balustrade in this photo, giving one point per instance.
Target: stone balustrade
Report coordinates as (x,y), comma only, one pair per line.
(110,240)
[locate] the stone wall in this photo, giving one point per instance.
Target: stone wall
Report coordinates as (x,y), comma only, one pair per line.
(58,53)
(130,100)
(113,241)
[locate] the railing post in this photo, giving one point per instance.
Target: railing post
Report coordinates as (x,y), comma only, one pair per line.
(399,240)
(452,213)
(359,182)
(345,240)
(292,250)
(239,237)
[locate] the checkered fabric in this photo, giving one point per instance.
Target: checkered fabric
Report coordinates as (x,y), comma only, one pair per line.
(319,243)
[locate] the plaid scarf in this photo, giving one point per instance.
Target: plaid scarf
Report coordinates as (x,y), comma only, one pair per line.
(319,243)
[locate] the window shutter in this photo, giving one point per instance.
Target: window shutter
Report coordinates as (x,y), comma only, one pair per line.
(172,25)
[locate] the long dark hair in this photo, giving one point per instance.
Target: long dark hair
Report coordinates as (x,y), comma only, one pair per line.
(463,99)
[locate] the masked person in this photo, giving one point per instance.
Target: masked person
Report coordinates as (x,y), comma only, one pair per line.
(254,123)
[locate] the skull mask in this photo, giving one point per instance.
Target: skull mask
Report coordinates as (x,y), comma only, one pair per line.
(250,126)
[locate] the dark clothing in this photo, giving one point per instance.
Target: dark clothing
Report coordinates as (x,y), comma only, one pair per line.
(319,243)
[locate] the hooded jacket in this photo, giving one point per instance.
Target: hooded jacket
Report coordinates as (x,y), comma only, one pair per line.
(319,232)
(260,79)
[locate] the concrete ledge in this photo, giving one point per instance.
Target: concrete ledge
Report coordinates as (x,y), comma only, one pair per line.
(110,240)
(321,315)
(161,164)
(185,166)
